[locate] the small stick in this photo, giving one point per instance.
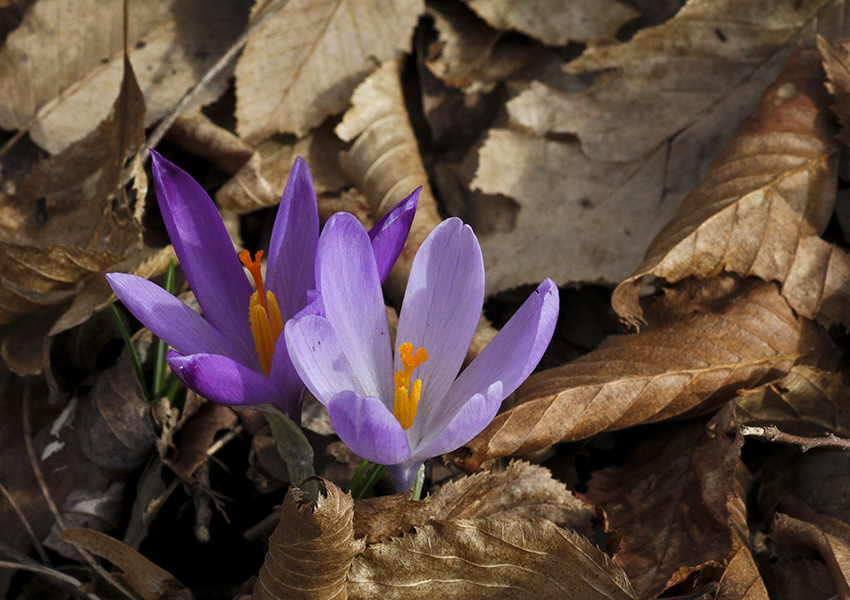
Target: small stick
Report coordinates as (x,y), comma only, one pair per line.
(772,433)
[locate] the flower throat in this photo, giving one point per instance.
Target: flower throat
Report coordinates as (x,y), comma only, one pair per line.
(263,313)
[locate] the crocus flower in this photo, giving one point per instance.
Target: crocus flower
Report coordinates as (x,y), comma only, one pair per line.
(236,354)
(399,406)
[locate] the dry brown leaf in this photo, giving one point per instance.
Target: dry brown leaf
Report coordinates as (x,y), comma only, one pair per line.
(762,205)
(144,577)
(797,579)
(98,510)
(519,492)
(311,549)
(668,100)
(61,96)
(486,558)
(836,63)
(260,182)
(805,402)
(196,133)
(303,62)
(80,232)
(469,54)
(554,22)
(830,537)
(710,339)
(668,504)
(198,434)
(741,580)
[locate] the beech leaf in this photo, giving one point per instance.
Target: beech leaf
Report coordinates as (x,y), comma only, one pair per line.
(290,83)
(668,504)
(759,210)
(521,491)
(554,22)
(485,558)
(711,339)
(311,548)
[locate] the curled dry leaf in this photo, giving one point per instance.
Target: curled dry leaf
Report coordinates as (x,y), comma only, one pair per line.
(61,96)
(554,22)
(805,402)
(290,82)
(148,580)
(829,537)
(311,548)
(668,504)
(710,339)
(46,262)
(485,558)
(96,510)
(520,492)
(836,63)
(260,182)
(115,426)
(760,208)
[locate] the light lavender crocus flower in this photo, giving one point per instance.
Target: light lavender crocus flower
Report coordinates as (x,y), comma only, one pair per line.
(398,407)
(236,354)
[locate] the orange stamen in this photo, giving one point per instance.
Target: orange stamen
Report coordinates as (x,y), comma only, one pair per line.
(407,394)
(263,313)
(255,269)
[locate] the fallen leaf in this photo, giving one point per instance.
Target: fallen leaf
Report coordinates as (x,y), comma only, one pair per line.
(46,262)
(802,579)
(614,161)
(486,558)
(290,83)
(766,198)
(260,182)
(470,55)
(805,402)
(61,96)
(519,492)
(96,510)
(667,506)
(198,434)
(148,580)
(710,339)
(556,23)
(836,63)
(311,549)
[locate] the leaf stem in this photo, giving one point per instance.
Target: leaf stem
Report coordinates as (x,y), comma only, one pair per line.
(419,483)
(371,480)
(134,357)
(160,367)
(358,475)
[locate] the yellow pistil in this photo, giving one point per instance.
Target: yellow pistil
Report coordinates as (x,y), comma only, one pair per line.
(263,313)
(407,395)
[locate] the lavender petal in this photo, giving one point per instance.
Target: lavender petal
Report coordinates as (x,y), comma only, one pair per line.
(368,428)
(390,233)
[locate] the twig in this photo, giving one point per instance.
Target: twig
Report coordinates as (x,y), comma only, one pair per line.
(71,584)
(48,497)
(772,433)
(33,537)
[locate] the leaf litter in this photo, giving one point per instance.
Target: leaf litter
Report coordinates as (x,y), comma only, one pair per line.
(687,160)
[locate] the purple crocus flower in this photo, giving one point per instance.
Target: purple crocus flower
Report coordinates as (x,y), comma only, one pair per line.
(400,407)
(236,354)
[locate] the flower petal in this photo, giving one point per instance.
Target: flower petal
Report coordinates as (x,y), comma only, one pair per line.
(354,304)
(468,422)
(389,234)
(285,378)
(290,269)
(318,359)
(404,474)
(368,428)
(206,255)
(509,358)
(223,380)
(442,305)
(167,317)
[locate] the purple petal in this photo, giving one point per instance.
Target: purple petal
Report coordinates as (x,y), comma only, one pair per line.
(223,380)
(292,252)
(389,234)
(318,359)
(285,378)
(354,304)
(368,428)
(206,255)
(509,358)
(468,422)
(404,474)
(167,317)
(442,305)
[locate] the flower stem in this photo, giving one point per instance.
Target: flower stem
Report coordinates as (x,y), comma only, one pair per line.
(419,483)
(134,357)
(160,367)
(369,483)
(358,475)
